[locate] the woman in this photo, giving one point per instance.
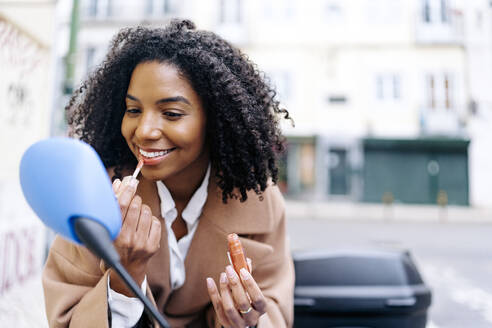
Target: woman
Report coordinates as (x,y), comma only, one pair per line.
(204,122)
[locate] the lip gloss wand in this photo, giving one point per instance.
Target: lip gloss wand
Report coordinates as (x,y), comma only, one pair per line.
(139,167)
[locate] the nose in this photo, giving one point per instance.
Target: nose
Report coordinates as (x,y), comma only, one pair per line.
(148,127)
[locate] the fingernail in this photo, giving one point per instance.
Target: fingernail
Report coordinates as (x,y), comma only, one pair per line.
(126,180)
(230,273)
(245,275)
(210,283)
(134,183)
(129,190)
(223,278)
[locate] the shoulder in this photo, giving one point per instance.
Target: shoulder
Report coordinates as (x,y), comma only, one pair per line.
(270,200)
(74,260)
(258,214)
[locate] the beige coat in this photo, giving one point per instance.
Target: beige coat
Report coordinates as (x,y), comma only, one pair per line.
(75,281)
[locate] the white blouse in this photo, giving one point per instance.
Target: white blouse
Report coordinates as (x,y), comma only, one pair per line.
(126,311)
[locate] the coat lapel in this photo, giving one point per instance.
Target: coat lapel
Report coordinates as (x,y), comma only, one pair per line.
(207,253)
(158,271)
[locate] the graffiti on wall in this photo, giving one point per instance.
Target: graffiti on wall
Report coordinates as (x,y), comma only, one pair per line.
(24,84)
(22,61)
(18,257)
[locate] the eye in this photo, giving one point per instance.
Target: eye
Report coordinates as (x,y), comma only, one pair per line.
(172,115)
(132,110)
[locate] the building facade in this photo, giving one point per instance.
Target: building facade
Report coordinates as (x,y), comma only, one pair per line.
(352,73)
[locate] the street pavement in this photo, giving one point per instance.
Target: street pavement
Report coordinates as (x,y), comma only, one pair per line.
(355,211)
(452,250)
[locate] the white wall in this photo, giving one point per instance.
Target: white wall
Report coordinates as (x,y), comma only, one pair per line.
(26,32)
(478,37)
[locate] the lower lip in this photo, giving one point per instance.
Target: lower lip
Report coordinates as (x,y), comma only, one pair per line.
(155,160)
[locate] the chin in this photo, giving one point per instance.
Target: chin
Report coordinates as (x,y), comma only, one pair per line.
(154,175)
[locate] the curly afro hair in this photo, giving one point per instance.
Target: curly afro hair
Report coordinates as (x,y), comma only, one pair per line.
(241,107)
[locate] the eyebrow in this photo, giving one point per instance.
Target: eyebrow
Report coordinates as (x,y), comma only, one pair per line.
(163,100)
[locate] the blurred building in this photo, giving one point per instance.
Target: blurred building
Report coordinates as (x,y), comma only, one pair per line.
(26,30)
(380,94)
(389,97)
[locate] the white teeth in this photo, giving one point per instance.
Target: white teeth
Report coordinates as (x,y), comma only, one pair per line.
(154,154)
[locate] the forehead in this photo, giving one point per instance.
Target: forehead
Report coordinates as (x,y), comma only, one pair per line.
(158,79)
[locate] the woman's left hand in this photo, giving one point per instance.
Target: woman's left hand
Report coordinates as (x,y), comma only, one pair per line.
(238,302)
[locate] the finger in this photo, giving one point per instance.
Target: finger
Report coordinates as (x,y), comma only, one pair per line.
(133,215)
(130,221)
(238,292)
(257,299)
(250,264)
(125,196)
(154,238)
(213,293)
(124,183)
(116,185)
(228,303)
(240,298)
(143,226)
(127,181)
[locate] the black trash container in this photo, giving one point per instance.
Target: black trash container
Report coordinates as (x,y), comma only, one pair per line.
(359,289)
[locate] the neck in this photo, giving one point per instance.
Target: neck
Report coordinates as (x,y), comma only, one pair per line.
(183,185)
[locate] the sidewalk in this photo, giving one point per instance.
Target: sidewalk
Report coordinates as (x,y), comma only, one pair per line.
(337,210)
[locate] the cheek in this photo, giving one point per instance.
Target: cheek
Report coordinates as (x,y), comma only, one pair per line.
(193,135)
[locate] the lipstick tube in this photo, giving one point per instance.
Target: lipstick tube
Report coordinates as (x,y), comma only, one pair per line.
(236,253)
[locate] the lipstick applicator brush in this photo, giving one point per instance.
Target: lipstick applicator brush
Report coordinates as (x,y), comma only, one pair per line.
(139,167)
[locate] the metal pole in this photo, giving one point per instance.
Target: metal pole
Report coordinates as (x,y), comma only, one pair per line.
(70,59)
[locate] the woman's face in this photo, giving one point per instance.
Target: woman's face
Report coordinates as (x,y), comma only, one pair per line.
(164,122)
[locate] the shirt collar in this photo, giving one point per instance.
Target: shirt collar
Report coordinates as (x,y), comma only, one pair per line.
(193,209)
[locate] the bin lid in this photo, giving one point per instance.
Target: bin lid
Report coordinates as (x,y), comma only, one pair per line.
(355,267)
(373,299)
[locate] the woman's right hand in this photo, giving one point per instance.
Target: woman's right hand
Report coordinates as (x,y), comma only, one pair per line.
(139,237)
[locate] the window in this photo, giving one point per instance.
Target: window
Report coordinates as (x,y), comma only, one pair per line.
(93,55)
(333,12)
(100,8)
(388,87)
(230,11)
(89,58)
(278,10)
(339,172)
(337,99)
(431,94)
(435,11)
(161,7)
(444,11)
(281,80)
(109,7)
(439,91)
(396,87)
(149,7)
(92,8)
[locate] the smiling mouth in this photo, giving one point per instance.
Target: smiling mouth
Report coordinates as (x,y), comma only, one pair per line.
(154,154)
